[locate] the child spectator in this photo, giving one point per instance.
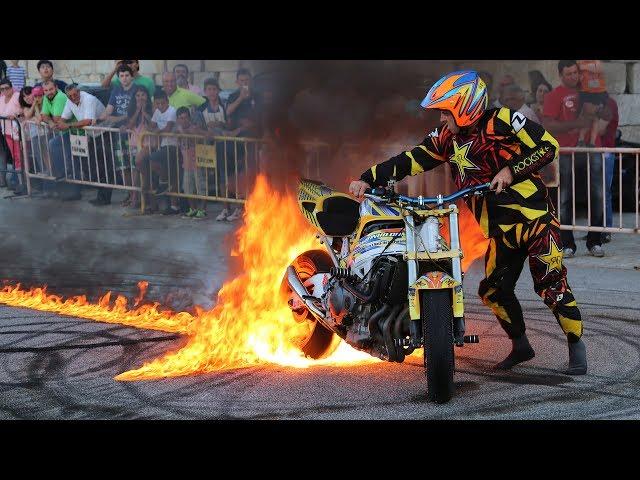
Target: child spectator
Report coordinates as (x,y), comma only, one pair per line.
(593,90)
(214,115)
(194,177)
(17,75)
(139,119)
(162,121)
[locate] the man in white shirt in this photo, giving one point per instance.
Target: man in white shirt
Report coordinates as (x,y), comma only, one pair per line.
(86,109)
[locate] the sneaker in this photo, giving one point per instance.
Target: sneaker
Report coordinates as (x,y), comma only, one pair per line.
(237,213)
(200,214)
(171,211)
(190,213)
(568,252)
(223,215)
(596,251)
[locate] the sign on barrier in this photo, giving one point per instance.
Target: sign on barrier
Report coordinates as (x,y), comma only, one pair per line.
(206,156)
(79,145)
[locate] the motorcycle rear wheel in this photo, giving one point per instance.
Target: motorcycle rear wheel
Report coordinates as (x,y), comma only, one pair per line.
(436,313)
(319,342)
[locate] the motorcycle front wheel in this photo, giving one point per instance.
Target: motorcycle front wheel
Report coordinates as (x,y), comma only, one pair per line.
(318,341)
(436,313)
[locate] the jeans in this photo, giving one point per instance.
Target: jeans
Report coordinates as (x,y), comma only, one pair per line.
(609,166)
(566,197)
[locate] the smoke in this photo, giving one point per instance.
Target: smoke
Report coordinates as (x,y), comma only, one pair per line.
(364,111)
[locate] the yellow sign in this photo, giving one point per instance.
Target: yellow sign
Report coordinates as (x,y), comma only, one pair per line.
(206,156)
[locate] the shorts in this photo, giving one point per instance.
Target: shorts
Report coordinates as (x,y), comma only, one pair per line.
(194,182)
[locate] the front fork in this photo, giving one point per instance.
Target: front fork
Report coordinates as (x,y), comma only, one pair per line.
(415,326)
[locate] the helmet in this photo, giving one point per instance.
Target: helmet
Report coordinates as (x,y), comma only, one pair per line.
(463,93)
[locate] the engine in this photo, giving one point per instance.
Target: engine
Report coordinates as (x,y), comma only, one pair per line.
(352,302)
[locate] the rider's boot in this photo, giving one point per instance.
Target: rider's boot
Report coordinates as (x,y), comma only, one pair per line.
(577,358)
(521,351)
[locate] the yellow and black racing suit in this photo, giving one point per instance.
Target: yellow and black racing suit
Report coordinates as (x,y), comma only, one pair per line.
(520,222)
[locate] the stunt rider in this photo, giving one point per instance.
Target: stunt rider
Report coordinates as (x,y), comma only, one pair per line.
(500,146)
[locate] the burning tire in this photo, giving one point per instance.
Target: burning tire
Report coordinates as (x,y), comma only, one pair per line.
(318,341)
(437,328)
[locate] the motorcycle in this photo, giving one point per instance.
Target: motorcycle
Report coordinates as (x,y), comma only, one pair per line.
(387,282)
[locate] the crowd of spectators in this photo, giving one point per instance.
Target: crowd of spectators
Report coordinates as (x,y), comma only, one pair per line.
(158,163)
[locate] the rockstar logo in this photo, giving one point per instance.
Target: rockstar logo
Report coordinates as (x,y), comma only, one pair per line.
(552,259)
(459,157)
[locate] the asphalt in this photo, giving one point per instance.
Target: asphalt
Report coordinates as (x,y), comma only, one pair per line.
(58,367)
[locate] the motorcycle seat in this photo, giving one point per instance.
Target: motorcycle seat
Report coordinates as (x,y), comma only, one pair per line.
(339,216)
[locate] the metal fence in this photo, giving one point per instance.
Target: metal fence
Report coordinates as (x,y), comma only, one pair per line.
(191,166)
(590,174)
(209,167)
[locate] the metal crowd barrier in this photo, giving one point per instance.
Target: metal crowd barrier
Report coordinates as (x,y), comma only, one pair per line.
(218,168)
(589,158)
(223,168)
(10,147)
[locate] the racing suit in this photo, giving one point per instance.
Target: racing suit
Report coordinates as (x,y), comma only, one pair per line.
(519,222)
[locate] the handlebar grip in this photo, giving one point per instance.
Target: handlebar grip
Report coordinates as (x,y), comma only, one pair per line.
(378,191)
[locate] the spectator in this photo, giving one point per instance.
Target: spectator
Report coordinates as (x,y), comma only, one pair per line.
(182,79)
(243,121)
(179,97)
(539,93)
(593,90)
(561,119)
(513,97)
(30,100)
(194,178)
(139,115)
(17,75)
(214,117)
(10,109)
(121,95)
(45,68)
(53,103)
(165,159)
(82,110)
(242,107)
(487,78)
(504,81)
(138,79)
(609,141)
(535,79)
(115,115)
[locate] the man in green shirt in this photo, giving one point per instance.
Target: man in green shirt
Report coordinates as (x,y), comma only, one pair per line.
(53,103)
(138,79)
(179,97)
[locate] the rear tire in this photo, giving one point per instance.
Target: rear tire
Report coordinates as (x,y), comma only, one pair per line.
(320,342)
(436,313)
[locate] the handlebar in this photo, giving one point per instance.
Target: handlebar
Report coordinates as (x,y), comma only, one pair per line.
(386,194)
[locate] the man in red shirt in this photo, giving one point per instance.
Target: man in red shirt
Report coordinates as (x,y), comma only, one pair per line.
(563,120)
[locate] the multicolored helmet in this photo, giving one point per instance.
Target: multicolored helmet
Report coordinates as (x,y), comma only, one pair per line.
(463,93)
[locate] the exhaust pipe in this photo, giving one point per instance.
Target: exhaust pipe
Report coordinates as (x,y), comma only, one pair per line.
(296,285)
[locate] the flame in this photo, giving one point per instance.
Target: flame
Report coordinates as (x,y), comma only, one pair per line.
(145,316)
(472,241)
(251,323)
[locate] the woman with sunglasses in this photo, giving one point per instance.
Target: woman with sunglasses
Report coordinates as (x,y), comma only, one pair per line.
(10,110)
